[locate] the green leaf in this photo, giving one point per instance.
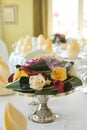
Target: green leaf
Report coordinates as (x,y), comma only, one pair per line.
(74,81)
(21,83)
(17,66)
(46,91)
(39,66)
(64,62)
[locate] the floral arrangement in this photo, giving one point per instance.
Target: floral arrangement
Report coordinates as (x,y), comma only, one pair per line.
(59,38)
(44,75)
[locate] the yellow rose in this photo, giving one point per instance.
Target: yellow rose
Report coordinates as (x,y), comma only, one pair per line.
(19,73)
(59,73)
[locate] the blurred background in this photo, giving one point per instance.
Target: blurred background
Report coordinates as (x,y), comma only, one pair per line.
(34,17)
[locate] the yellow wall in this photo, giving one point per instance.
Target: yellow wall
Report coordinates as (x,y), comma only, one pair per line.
(24,25)
(0,24)
(0,29)
(49,18)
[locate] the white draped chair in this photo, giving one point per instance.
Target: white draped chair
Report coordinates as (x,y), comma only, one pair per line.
(14,59)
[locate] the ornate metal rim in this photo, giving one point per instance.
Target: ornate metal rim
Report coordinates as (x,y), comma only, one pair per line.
(66,93)
(57,95)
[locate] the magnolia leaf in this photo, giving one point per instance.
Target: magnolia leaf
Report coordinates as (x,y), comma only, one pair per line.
(17,66)
(72,82)
(29,90)
(75,82)
(39,66)
(64,62)
(21,83)
(46,91)
(67,86)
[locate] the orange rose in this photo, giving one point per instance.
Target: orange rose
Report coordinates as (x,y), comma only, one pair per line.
(19,73)
(59,73)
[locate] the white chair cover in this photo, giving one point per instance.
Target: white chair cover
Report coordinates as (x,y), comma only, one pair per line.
(14,59)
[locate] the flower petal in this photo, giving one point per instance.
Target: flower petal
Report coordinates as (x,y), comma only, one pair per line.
(59,85)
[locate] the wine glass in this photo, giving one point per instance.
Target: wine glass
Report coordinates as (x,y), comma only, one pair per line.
(81,72)
(84,79)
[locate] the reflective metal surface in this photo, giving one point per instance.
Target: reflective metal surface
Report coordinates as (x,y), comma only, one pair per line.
(42,114)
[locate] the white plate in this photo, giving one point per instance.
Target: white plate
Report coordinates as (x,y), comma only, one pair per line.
(4,91)
(35,53)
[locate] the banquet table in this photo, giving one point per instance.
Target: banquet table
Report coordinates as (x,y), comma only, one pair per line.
(72,111)
(17,58)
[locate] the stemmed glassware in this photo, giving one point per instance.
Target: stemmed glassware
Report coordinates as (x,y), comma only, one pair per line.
(81,72)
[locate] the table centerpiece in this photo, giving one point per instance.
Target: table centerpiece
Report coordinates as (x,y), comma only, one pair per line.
(44,76)
(58,38)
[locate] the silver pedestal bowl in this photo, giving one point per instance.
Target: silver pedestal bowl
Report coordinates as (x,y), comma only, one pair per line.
(42,113)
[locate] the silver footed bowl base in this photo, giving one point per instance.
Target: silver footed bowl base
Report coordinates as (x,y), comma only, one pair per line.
(42,114)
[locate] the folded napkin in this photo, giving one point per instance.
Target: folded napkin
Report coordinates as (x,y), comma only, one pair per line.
(41,41)
(73,49)
(17,46)
(4,72)
(5,91)
(47,45)
(27,46)
(13,119)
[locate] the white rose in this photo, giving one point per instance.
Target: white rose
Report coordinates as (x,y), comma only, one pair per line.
(37,82)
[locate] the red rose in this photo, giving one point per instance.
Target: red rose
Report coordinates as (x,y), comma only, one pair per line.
(59,85)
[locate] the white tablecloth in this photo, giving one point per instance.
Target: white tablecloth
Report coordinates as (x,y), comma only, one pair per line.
(72,110)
